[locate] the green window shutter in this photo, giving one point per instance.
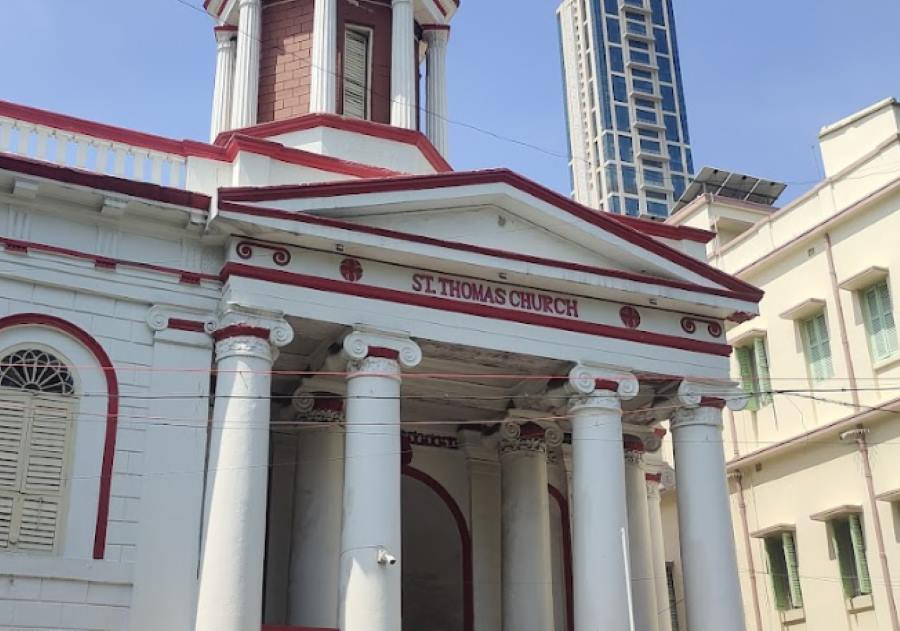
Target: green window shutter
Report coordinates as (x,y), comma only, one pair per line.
(761,359)
(793,573)
(843,549)
(818,348)
(879,316)
(778,573)
(745,363)
(859,554)
(887,316)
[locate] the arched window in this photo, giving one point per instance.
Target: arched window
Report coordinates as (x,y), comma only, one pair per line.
(37,405)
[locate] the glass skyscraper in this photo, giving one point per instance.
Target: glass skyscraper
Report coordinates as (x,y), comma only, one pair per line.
(629,150)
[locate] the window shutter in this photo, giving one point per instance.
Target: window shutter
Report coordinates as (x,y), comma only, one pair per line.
(793,575)
(34,444)
(843,549)
(778,573)
(45,461)
(762,371)
(6,515)
(745,364)
(879,315)
(356,73)
(13,412)
(818,348)
(859,555)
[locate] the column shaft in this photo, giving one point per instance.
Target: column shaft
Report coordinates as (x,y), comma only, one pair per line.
(527,568)
(323,82)
(403,71)
(370,592)
(485,518)
(316,545)
(664,620)
(231,570)
(246,73)
(711,585)
(224,86)
(600,514)
(436,86)
(643,587)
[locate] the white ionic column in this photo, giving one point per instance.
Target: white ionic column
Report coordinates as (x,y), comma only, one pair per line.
(600,518)
(245,100)
(316,540)
(485,519)
(664,619)
(643,586)
(224,86)
(403,68)
(231,568)
(711,585)
(436,37)
(370,569)
(527,562)
(323,81)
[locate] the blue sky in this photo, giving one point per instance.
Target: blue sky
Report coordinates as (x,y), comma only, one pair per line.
(760,77)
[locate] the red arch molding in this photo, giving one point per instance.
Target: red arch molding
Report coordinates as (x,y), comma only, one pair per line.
(464,538)
(557,495)
(112,407)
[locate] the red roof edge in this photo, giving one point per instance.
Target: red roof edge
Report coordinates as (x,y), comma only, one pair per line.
(612,223)
(354,125)
(145,190)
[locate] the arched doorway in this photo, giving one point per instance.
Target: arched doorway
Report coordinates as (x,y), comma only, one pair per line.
(436,557)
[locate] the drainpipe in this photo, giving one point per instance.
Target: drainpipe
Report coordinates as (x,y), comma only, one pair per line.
(745,531)
(859,436)
(842,324)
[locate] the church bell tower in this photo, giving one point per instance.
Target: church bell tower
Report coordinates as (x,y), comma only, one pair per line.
(281,59)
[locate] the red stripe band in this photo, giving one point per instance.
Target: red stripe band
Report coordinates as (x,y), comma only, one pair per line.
(238,330)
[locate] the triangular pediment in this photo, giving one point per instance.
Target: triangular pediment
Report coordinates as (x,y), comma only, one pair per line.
(494,211)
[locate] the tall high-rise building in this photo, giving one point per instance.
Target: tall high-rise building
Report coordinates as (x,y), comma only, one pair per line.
(629,150)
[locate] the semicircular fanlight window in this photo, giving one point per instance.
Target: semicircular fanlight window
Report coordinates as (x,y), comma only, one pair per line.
(36,371)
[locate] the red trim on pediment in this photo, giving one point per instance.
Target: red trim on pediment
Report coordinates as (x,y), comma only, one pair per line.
(302,217)
(640,235)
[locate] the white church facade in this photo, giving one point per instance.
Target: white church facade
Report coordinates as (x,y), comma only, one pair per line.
(307,376)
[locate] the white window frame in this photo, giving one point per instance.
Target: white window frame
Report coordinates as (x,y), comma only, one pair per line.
(78,514)
(369,33)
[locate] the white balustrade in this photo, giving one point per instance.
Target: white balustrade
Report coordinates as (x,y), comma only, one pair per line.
(91,153)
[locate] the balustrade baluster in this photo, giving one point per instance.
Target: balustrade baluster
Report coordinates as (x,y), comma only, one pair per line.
(103,157)
(25,130)
(119,168)
(62,146)
(156,168)
(40,147)
(81,148)
(5,131)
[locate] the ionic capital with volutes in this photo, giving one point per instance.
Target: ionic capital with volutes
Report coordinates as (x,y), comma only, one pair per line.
(318,407)
(382,352)
(519,436)
(701,403)
(597,386)
(239,330)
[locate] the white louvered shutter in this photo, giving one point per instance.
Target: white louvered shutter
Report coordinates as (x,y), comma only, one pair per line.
(45,464)
(356,73)
(35,433)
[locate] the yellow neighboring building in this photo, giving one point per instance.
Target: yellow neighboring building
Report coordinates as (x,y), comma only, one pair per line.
(814,462)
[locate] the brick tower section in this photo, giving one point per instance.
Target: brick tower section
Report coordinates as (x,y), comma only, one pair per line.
(285,59)
(286,56)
